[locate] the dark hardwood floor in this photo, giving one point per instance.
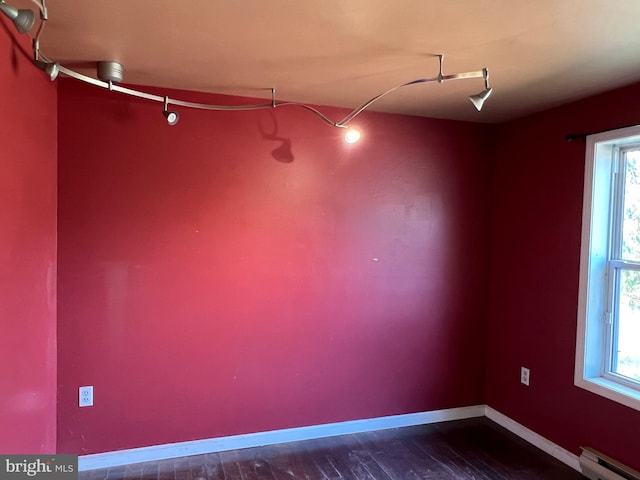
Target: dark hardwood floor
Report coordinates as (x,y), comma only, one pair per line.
(464,450)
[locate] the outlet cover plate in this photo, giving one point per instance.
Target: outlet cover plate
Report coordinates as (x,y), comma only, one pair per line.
(85,396)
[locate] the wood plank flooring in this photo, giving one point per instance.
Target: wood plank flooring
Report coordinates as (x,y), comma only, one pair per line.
(474,449)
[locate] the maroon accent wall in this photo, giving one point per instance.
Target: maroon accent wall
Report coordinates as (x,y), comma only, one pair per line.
(208,287)
(28,138)
(535,250)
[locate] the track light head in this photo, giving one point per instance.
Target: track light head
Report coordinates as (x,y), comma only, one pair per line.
(479,99)
(110,72)
(52,69)
(172,117)
(352,136)
(23,19)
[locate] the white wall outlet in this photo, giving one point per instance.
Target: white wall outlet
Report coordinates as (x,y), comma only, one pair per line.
(524,376)
(85,396)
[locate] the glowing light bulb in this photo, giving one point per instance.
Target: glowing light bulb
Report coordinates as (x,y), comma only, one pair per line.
(352,136)
(172,117)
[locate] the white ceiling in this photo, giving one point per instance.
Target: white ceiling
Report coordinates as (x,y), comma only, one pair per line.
(539,53)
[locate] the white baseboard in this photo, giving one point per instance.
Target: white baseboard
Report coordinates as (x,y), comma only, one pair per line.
(196,447)
(210,445)
(533,438)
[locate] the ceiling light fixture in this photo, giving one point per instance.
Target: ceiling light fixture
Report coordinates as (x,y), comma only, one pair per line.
(51,68)
(23,19)
(111,73)
(479,99)
(172,117)
(352,136)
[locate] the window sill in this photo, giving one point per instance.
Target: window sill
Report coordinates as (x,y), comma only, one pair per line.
(611,390)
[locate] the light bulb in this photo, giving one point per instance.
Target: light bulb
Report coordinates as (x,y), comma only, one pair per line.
(352,136)
(172,117)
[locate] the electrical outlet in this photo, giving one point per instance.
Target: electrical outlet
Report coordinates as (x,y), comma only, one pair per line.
(85,396)
(524,376)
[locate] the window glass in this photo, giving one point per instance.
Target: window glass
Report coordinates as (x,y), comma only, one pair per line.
(626,357)
(631,209)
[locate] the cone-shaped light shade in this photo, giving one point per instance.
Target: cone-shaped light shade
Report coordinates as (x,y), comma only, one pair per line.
(23,19)
(479,99)
(52,70)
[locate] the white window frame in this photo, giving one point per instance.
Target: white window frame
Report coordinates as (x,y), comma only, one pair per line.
(596,267)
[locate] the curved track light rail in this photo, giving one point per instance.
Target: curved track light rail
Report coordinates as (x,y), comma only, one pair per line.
(23,19)
(273,104)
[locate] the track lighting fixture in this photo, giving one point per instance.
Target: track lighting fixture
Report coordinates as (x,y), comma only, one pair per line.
(108,79)
(50,68)
(352,136)
(172,117)
(22,19)
(479,99)
(110,74)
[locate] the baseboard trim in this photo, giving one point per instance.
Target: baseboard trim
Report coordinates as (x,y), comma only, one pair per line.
(196,447)
(210,445)
(533,438)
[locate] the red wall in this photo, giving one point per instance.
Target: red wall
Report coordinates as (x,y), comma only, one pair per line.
(207,289)
(28,138)
(536,227)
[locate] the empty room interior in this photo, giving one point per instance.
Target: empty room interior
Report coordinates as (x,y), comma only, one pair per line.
(233,225)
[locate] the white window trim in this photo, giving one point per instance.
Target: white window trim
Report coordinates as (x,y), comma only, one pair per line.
(593,258)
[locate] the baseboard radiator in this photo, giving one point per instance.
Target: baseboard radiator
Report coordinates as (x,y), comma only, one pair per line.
(598,466)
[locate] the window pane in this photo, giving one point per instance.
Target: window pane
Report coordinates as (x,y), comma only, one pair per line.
(631,214)
(627,357)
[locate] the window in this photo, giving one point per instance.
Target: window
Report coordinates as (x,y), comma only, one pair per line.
(608,340)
